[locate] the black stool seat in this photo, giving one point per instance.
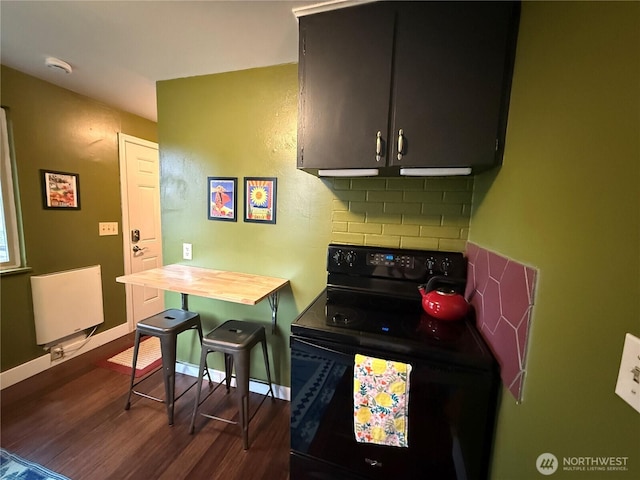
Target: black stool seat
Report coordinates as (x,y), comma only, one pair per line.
(235,339)
(169,321)
(166,326)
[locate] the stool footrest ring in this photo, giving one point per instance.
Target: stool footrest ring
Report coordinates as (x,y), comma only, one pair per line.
(213,417)
(150,397)
(220,419)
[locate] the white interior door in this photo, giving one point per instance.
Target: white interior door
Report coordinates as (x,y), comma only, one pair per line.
(141,225)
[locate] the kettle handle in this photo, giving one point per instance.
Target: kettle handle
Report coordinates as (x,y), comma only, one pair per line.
(458,284)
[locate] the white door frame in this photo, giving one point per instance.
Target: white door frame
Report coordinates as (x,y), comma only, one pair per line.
(126,228)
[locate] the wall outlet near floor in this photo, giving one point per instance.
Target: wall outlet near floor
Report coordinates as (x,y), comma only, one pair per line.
(57,352)
(628,386)
(107,228)
(187,252)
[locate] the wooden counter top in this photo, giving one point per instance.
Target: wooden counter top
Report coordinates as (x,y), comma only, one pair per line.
(234,287)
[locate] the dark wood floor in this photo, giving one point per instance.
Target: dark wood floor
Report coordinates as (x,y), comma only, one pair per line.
(71,419)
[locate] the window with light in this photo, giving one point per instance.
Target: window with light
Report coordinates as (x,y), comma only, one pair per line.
(10,253)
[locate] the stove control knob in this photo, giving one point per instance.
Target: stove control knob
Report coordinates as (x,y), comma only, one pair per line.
(338,257)
(444,266)
(431,264)
(350,258)
(340,319)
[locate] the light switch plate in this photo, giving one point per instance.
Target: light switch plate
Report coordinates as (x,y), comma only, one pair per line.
(628,386)
(107,228)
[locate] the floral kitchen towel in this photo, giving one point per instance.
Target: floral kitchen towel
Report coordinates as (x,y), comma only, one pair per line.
(380,401)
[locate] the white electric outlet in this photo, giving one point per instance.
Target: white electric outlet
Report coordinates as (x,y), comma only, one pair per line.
(57,352)
(187,252)
(628,386)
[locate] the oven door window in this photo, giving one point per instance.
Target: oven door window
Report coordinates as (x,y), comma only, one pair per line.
(449,417)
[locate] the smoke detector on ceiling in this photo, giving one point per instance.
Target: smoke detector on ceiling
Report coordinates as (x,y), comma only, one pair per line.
(58,64)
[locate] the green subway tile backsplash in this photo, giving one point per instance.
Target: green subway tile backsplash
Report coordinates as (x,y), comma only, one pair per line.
(368,184)
(420,243)
(382,241)
(454,220)
(423,196)
(450,184)
(419,213)
(457,197)
(442,209)
(451,245)
(366,207)
(402,230)
(384,196)
(374,228)
(405,184)
(350,238)
(405,208)
(339,205)
(352,195)
(341,184)
(384,217)
(347,216)
(339,226)
(440,232)
(427,219)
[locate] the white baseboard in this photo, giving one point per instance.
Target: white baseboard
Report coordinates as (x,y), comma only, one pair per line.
(283,393)
(40,364)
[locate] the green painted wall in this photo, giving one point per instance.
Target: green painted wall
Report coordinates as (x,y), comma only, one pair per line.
(235,125)
(567,201)
(57,129)
(244,124)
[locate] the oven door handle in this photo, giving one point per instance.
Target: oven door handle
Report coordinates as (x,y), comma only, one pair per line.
(317,344)
(335,349)
(344,350)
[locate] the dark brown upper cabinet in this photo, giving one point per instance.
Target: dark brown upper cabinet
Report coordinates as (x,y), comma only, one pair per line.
(403,86)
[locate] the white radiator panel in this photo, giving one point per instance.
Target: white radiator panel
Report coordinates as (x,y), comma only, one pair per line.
(66,302)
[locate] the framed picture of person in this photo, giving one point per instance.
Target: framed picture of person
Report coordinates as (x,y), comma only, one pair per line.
(222,198)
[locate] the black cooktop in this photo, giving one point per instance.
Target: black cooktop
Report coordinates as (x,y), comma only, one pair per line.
(372,300)
(407,332)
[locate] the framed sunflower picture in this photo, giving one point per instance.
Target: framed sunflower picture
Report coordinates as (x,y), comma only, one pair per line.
(222,198)
(260,199)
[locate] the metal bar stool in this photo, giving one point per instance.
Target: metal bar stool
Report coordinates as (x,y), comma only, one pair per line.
(166,326)
(235,339)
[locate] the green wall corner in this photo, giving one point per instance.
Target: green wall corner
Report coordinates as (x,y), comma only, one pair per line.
(566,201)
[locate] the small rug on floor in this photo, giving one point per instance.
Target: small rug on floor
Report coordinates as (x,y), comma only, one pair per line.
(149,358)
(14,467)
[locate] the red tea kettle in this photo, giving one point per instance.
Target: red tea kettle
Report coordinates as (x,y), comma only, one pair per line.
(441,298)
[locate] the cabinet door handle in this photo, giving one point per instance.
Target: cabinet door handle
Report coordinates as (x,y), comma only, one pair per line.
(378,146)
(400,143)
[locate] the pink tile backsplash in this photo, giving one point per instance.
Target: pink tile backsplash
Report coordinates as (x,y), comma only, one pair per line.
(502,293)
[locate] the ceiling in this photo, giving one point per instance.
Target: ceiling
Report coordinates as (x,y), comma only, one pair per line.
(118,50)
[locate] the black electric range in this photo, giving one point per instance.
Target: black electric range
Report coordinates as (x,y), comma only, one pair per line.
(371,305)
